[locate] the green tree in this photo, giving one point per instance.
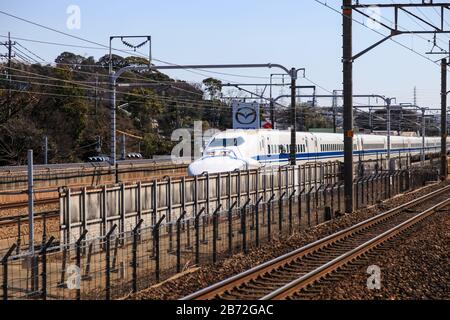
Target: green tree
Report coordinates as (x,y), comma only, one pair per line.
(154,144)
(145,107)
(213,87)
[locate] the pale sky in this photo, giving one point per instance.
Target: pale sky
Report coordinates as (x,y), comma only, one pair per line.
(289,32)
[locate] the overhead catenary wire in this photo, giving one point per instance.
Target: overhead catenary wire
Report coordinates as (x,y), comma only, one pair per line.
(325,4)
(115,49)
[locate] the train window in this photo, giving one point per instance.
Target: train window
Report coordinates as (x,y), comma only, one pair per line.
(227,142)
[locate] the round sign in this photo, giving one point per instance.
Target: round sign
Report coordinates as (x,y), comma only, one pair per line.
(245,115)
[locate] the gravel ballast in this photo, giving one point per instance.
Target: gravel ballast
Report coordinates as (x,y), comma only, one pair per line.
(204,276)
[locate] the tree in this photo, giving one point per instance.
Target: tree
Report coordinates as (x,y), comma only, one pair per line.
(71,60)
(16,138)
(118,62)
(213,87)
(154,144)
(145,107)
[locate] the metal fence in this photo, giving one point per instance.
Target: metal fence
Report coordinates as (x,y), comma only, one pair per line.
(97,209)
(124,261)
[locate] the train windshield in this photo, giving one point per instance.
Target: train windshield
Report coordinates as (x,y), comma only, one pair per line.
(230,142)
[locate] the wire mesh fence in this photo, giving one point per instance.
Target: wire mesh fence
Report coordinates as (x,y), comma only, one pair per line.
(122,262)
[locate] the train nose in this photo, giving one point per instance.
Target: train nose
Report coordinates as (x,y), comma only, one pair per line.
(215,165)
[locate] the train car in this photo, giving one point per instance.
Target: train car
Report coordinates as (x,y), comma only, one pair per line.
(251,149)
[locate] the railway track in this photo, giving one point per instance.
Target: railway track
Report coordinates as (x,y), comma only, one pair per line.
(23,219)
(298,274)
(22,204)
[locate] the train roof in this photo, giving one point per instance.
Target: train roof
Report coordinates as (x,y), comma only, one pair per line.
(231,133)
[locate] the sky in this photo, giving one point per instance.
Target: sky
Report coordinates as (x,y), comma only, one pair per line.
(289,32)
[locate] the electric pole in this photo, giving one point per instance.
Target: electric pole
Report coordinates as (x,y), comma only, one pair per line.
(293,153)
(334,105)
(347,61)
(96,93)
(9,45)
(444,162)
(348,58)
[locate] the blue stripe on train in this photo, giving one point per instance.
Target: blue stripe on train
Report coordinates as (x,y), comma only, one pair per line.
(332,154)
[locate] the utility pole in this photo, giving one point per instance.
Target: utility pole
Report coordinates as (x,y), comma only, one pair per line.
(9,45)
(123,147)
(113,76)
(96,93)
(444,162)
(30,202)
(415,96)
(98,147)
(422,156)
(334,104)
(388,111)
(112,116)
(45,150)
(347,61)
(293,154)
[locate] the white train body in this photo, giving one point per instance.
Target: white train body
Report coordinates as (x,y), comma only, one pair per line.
(250,149)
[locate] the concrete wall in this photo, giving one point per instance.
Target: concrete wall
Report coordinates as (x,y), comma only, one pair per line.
(82,177)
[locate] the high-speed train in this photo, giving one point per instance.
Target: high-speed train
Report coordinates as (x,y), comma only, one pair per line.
(251,149)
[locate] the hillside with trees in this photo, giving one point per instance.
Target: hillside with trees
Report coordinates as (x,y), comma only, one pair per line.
(69,102)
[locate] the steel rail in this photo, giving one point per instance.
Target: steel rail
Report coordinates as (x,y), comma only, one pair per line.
(253,273)
(13,220)
(21,204)
(326,269)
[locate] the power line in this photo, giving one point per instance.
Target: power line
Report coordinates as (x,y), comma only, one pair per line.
(105,46)
(16,50)
(379,33)
(31,52)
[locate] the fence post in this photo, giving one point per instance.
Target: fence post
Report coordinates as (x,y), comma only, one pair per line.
(180,218)
(367,191)
(244,225)
(269,216)
(5,271)
(325,198)
(300,208)
(108,262)
(389,179)
(61,283)
(308,205)
(290,210)
(18,235)
(197,235)
(362,191)
(333,212)
(316,202)
(371,189)
(230,228)
(78,261)
(357,193)
(215,231)
(280,212)
(134,263)
(87,270)
(114,268)
(44,267)
(257,220)
(156,240)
